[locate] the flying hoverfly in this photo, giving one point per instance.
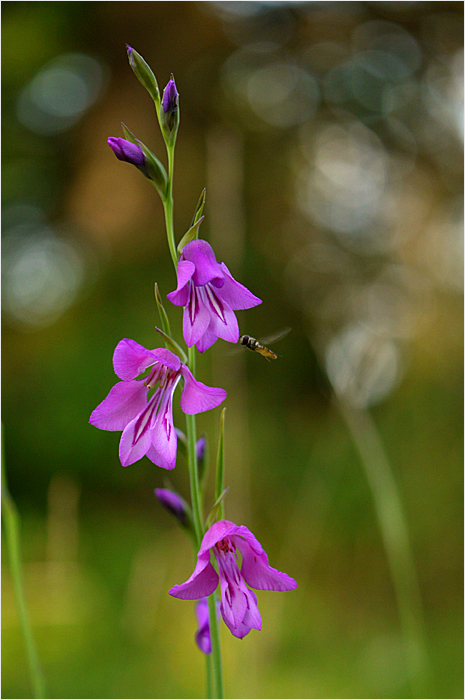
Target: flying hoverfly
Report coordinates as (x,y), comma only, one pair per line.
(259,345)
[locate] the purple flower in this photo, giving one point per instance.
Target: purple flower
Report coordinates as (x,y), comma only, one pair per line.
(127,151)
(210,296)
(172,502)
(147,425)
(202,636)
(238,603)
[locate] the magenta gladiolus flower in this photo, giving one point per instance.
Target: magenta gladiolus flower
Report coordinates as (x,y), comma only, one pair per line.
(238,603)
(147,425)
(202,636)
(210,296)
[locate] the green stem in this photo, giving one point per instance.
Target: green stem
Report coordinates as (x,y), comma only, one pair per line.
(196,499)
(395,536)
(191,430)
(208,673)
(12,528)
(216,649)
(168,207)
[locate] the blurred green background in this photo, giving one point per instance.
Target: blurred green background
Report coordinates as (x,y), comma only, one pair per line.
(330,138)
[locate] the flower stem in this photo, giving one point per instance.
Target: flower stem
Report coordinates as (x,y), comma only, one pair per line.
(216,649)
(208,673)
(12,527)
(191,430)
(168,207)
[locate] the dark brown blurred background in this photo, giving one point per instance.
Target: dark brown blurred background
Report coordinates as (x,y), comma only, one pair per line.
(330,139)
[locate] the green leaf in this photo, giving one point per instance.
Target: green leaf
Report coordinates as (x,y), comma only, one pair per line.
(156,172)
(189,236)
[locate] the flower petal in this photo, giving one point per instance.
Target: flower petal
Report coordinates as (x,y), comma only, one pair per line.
(196,318)
(207,269)
(223,322)
(252,618)
(203,581)
(124,402)
(136,439)
(163,434)
(233,602)
(167,358)
(219,530)
(197,397)
(255,568)
(206,341)
(235,294)
(131,359)
(180,296)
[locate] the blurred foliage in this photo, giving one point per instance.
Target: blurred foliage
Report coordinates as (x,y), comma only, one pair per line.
(330,139)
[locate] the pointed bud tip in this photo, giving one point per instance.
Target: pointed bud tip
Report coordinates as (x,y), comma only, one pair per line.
(172,502)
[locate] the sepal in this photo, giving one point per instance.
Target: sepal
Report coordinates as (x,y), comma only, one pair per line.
(153,169)
(189,236)
(173,346)
(162,313)
(199,207)
(213,514)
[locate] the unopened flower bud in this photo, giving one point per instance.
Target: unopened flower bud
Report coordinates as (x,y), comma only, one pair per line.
(202,636)
(139,155)
(127,151)
(200,448)
(174,503)
(169,111)
(144,74)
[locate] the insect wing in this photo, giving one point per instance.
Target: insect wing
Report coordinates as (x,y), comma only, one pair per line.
(274,337)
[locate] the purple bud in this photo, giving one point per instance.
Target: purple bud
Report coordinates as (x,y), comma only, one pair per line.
(200,448)
(172,502)
(181,435)
(202,636)
(170,97)
(127,151)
